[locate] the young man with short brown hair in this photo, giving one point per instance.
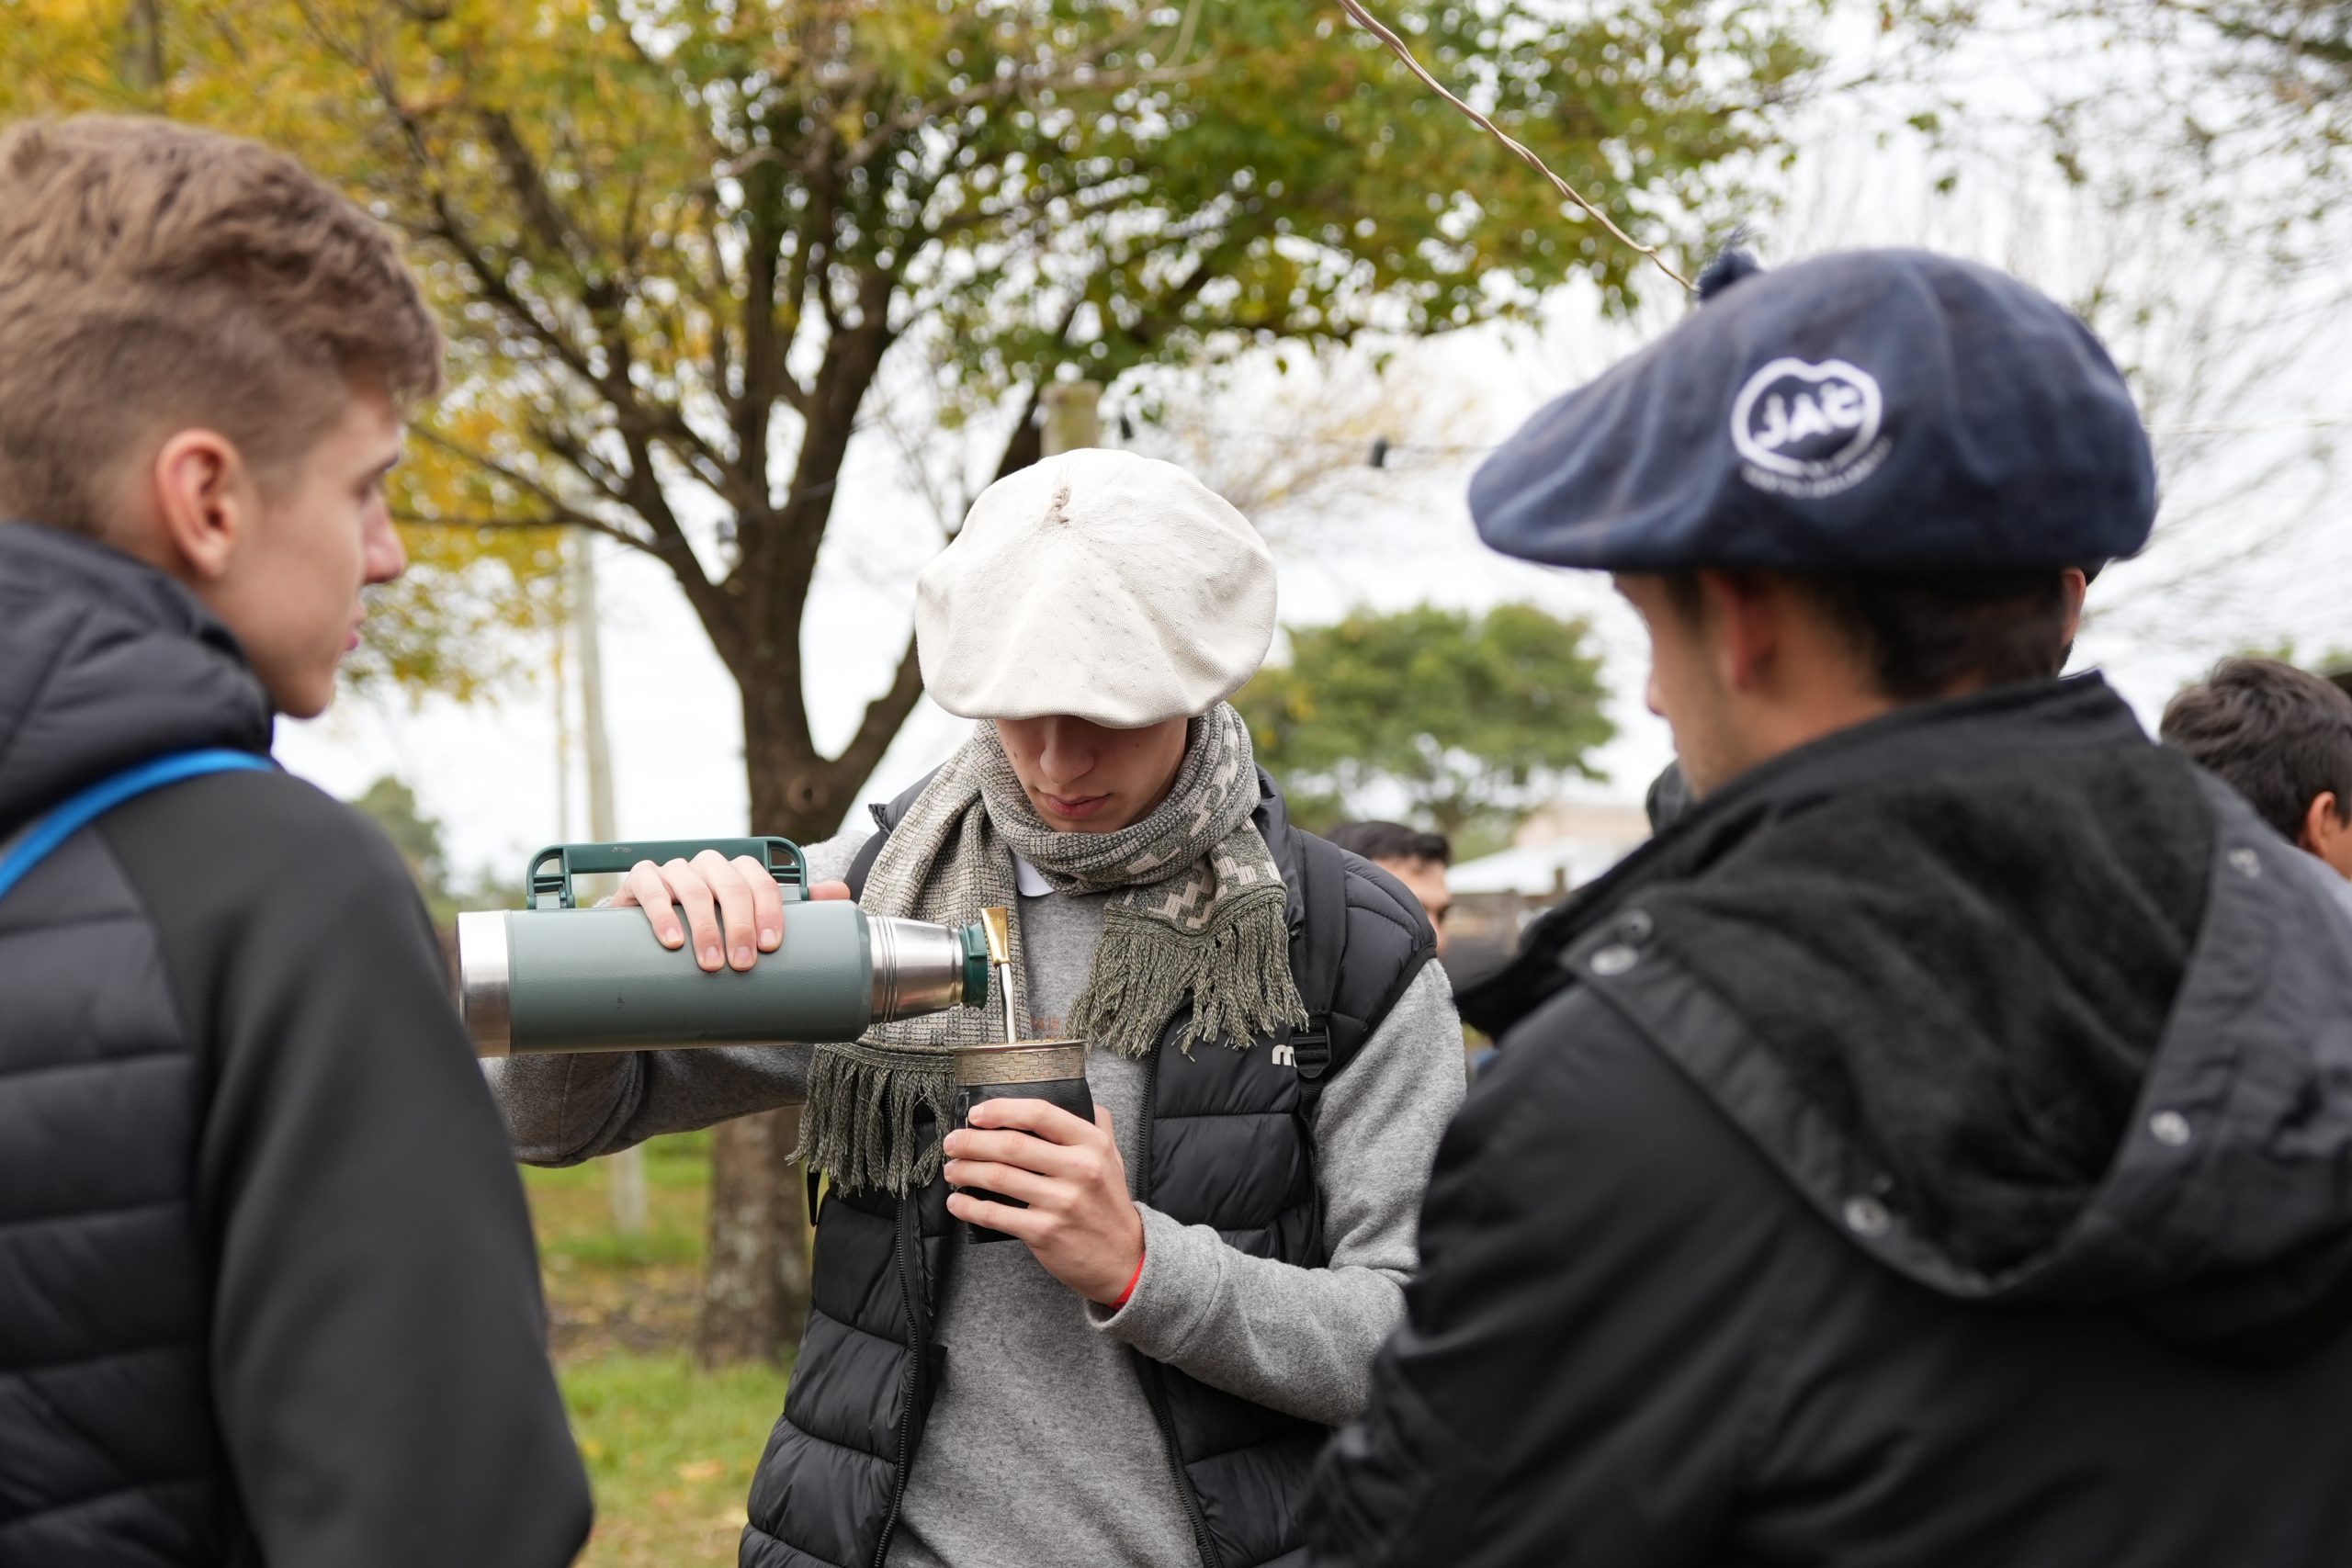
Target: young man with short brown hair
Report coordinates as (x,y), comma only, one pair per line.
(267,1290)
(2281,737)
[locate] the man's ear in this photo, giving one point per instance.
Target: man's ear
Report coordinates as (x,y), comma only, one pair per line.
(204,503)
(2072,586)
(2323,827)
(1742,624)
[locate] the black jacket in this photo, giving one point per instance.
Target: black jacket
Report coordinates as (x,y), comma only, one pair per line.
(1226,1143)
(267,1293)
(1935,1150)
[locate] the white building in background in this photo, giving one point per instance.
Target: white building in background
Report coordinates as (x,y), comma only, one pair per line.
(1556,851)
(1564,846)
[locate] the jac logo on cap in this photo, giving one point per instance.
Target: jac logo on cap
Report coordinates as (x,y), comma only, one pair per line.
(1809,430)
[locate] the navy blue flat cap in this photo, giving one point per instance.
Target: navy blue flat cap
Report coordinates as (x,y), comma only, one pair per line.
(1889,411)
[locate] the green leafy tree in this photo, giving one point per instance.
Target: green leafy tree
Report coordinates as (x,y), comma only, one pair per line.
(392,805)
(686,251)
(1474,720)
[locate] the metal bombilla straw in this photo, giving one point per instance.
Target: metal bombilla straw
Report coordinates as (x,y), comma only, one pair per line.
(996,922)
(1050,1070)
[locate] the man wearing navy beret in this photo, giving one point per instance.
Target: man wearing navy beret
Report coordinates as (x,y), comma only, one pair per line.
(1932,1149)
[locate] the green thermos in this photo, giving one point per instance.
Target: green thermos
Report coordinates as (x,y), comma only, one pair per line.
(556,977)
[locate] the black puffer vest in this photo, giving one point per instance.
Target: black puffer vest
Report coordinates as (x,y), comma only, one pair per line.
(107,1450)
(1223,1145)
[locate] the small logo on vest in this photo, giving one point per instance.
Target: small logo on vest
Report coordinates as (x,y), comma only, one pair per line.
(1285,1056)
(1807,430)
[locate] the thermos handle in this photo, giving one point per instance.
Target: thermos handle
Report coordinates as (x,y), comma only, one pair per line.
(548,883)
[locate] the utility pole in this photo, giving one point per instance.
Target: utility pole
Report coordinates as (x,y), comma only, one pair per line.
(1073,416)
(625,1172)
(563,709)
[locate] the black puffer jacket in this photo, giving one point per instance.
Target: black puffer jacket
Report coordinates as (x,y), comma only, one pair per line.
(266,1285)
(1935,1150)
(1226,1143)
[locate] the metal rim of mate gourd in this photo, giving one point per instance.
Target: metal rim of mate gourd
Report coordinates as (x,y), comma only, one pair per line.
(1021,1061)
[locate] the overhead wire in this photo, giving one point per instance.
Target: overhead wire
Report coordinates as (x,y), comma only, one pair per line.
(1377,29)
(1380,448)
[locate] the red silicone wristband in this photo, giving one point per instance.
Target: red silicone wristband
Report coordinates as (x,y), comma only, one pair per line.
(1133,1281)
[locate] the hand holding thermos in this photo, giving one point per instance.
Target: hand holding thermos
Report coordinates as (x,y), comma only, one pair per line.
(1033,1157)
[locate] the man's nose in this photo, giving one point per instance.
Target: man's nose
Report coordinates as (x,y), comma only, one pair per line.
(385,557)
(1067,757)
(1649,693)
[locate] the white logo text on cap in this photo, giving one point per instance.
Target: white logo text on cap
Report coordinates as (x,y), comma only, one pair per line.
(1808,429)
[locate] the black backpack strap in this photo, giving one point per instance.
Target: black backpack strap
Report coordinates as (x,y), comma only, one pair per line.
(887,815)
(1323,945)
(1319,965)
(861,865)
(1318,959)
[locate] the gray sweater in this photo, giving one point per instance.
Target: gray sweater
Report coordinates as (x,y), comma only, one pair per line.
(1053,1399)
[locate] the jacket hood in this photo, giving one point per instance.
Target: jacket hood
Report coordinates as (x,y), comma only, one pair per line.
(2023,1003)
(2225,1217)
(104,662)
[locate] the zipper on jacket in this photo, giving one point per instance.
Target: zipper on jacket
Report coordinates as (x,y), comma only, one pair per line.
(1154,1390)
(908,1238)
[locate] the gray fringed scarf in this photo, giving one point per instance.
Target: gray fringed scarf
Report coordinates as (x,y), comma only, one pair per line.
(1201,918)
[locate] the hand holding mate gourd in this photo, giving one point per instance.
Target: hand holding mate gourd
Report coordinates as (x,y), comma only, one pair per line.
(1080,1223)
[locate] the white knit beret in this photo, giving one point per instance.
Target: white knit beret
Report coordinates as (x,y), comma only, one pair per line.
(1099,584)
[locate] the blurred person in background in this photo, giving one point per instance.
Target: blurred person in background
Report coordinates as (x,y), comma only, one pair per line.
(2281,737)
(269,1296)
(1416,858)
(1929,1150)
(1207,1269)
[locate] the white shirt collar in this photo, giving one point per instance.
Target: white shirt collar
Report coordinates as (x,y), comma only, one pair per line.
(1029,880)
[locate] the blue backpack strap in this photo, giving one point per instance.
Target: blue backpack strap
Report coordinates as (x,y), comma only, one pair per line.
(35,844)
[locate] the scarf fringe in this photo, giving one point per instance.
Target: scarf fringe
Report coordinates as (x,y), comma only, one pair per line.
(1237,973)
(1200,915)
(859,1124)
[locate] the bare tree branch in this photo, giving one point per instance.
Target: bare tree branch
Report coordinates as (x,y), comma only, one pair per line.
(561,509)
(880,722)
(573,520)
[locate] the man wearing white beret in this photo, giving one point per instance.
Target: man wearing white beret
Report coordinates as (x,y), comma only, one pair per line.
(1210,1265)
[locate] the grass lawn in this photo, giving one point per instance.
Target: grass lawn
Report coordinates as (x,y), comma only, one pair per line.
(669,1448)
(671,1451)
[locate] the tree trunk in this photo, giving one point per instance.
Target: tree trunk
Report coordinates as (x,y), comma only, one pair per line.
(755,1286)
(143,45)
(756,1289)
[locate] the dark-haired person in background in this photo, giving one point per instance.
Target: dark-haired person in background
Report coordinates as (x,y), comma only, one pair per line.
(1927,1151)
(267,1292)
(2281,737)
(1414,857)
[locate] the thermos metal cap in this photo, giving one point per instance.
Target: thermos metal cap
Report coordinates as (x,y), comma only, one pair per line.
(482,995)
(920,968)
